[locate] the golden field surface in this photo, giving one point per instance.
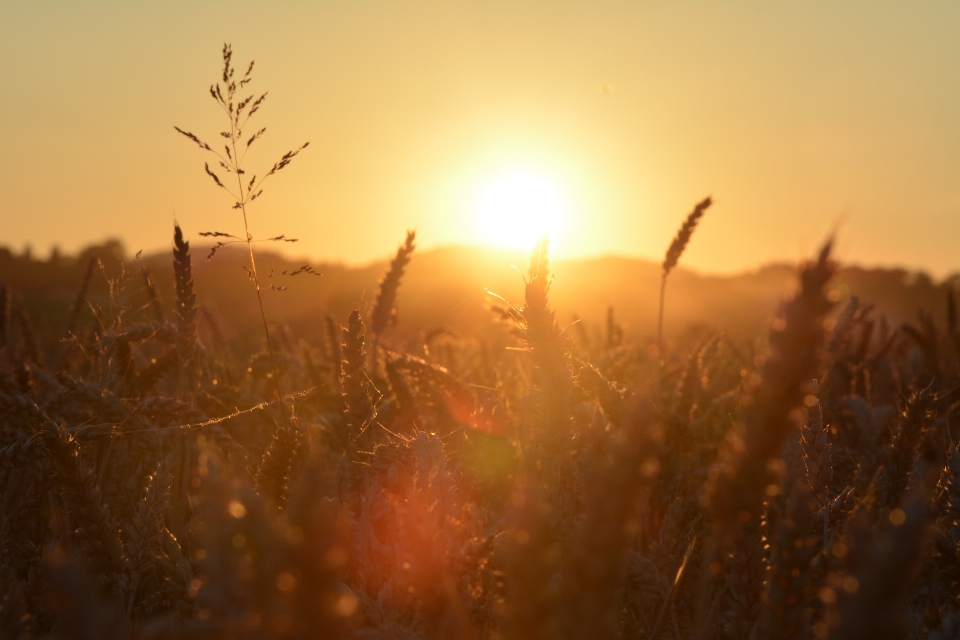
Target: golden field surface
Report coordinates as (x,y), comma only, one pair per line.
(448,464)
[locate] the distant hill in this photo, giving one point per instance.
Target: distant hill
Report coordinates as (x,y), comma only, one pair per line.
(445,288)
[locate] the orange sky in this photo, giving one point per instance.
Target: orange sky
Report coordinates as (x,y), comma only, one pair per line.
(795,116)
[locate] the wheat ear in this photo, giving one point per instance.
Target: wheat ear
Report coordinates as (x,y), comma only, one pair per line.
(673,255)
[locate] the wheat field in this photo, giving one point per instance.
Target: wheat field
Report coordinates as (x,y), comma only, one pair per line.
(159,483)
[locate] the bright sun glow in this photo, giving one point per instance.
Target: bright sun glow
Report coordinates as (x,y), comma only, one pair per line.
(519,207)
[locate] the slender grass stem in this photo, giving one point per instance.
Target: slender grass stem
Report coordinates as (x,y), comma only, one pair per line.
(256,282)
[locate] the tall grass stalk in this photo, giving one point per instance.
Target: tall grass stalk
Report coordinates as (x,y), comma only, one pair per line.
(239,114)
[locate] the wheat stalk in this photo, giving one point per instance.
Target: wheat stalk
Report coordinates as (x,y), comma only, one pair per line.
(674,251)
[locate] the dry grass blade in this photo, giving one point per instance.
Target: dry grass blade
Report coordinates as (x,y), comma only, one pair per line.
(668,602)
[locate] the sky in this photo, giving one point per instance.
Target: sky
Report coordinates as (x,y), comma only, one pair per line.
(459,119)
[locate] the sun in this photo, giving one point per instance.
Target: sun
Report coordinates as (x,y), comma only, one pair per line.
(518,207)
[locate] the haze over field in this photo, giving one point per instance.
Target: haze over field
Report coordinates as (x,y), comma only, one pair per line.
(451,289)
(483,123)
